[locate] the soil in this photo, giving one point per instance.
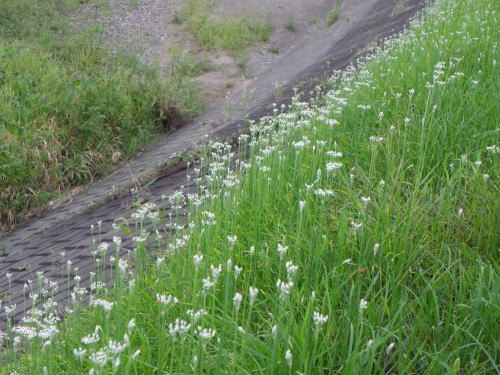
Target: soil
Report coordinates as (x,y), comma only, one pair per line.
(145,29)
(306,56)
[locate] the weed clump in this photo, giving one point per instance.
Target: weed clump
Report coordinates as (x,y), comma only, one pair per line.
(217,31)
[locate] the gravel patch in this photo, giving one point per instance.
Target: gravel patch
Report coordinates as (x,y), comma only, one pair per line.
(139,28)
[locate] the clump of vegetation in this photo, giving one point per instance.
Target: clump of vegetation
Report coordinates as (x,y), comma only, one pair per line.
(186,65)
(290,24)
(217,31)
(333,16)
(334,13)
(67,105)
(274,49)
(62,120)
(356,234)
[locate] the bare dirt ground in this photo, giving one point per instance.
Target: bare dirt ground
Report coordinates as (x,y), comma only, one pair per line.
(145,29)
(307,56)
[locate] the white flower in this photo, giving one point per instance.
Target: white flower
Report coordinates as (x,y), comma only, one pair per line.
(332,122)
(91,338)
(323,193)
(288,357)
(106,305)
(390,347)
(282,250)
(79,353)
(347,261)
(159,261)
(229,265)
(179,328)
(216,272)
(374,138)
(366,199)
(196,315)
(369,343)
(252,250)
(130,326)
(332,166)
(301,205)
(274,331)
(115,348)
(460,212)
(355,225)
(232,240)
(494,149)
(237,271)
(141,238)
(205,333)
(291,270)
(284,288)
(299,144)
(197,259)
(237,301)
(99,358)
(376,248)
(10,309)
(334,154)
(319,320)
(46,344)
(253,294)
(117,240)
(166,299)
(207,285)
(208,218)
(103,247)
(363,305)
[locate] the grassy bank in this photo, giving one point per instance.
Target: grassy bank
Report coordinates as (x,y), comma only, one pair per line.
(221,31)
(68,109)
(357,234)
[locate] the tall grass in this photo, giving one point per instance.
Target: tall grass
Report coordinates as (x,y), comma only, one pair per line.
(357,234)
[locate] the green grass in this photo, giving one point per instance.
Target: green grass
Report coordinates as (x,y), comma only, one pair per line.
(186,65)
(334,14)
(366,220)
(214,31)
(67,105)
(290,24)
